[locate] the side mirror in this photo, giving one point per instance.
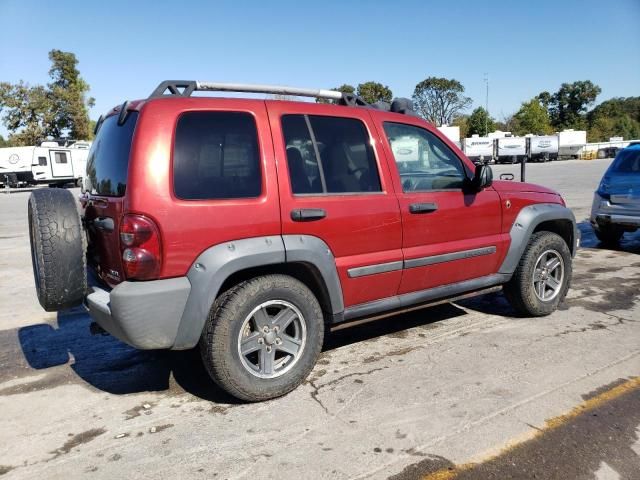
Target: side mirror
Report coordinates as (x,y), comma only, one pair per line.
(482,178)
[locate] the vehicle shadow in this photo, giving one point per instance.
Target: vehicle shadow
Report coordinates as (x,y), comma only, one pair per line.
(110,365)
(630,242)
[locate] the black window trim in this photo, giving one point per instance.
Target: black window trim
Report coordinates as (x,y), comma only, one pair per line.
(312,136)
(465,168)
(261,167)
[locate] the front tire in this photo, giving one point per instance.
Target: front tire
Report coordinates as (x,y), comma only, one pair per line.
(263,337)
(542,277)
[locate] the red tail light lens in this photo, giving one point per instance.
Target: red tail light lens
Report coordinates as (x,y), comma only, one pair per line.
(141,252)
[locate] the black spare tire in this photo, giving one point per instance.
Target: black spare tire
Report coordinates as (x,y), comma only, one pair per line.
(57,249)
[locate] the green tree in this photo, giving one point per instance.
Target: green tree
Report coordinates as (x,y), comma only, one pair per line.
(69,96)
(32,113)
(615,117)
(532,118)
(344,88)
(372,92)
(480,122)
(3,142)
(462,121)
(439,100)
(568,106)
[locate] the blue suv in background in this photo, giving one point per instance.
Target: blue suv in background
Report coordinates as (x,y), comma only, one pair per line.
(616,203)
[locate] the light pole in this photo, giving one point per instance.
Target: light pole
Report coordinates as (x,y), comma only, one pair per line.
(486,107)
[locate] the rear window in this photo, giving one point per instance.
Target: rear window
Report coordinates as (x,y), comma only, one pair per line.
(108,161)
(216,156)
(628,161)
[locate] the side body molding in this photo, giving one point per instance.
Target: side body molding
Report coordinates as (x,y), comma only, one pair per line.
(217,263)
(524,225)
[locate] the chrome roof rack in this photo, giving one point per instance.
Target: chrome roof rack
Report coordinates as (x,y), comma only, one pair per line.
(184,88)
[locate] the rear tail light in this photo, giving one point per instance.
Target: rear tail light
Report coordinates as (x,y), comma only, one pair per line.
(141,249)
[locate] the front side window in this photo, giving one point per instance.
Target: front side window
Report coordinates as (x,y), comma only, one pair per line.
(216,156)
(329,155)
(424,161)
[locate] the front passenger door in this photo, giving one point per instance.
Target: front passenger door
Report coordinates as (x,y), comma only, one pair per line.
(449,233)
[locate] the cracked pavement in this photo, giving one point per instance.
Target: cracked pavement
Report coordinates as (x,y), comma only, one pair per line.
(407,395)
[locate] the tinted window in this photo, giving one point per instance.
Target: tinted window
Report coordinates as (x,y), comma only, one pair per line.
(42,161)
(60,157)
(424,161)
(108,161)
(216,156)
(628,161)
(346,162)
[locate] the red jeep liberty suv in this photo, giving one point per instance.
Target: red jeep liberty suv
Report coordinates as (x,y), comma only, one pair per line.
(249,226)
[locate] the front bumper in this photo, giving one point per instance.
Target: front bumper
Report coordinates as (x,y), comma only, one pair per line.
(146,315)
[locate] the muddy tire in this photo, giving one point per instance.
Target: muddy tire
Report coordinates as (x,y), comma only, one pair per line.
(57,249)
(542,277)
(609,235)
(263,337)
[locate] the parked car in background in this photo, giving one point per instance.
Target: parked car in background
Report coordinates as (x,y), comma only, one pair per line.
(616,203)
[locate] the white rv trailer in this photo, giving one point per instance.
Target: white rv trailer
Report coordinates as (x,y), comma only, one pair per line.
(15,165)
(511,149)
(49,163)
(543,148)
(452,133)
(479,149)
(571,143)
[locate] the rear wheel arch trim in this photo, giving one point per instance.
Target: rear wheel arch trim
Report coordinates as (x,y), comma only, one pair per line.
(525,224)
(219,262)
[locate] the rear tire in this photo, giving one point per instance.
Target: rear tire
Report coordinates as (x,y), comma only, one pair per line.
(243,351)
(57,249)
(542,277)
(609,235)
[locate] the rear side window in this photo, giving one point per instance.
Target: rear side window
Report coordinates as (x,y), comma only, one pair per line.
(628,161)
(42,161)
(329,155)
(60,157)
(108,161)
(216,156)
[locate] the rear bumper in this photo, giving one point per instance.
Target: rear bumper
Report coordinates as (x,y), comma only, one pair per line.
(146,315)
(605,213)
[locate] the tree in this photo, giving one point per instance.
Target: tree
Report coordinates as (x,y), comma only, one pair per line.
(462,122)
(532,118)
(480,123)
(32,113)
(568,106)
(3,142)
(615,117)
(344,88)
(69,96)
(372,92)
(439,100)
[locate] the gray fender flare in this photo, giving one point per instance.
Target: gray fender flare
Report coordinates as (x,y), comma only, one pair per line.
(526,222)
(217,263)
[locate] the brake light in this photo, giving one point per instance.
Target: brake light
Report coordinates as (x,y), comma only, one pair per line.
(141,249)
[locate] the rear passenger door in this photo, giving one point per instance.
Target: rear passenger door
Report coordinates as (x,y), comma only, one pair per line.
(335,185)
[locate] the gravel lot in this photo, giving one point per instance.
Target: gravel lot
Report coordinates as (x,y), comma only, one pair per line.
(444,388)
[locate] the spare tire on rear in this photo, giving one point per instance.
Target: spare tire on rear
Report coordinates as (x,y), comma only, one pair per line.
(57,249)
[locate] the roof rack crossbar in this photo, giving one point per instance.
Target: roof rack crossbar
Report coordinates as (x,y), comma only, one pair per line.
(184,88)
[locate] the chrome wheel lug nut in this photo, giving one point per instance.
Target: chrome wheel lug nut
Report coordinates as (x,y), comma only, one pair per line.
(260,341)
(268,348)
(265,329)
(278,341)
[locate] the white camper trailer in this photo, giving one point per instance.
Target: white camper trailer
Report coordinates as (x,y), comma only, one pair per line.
(49,163)
(511,149)
(15,166)
(571,143)
(479,149)
(544,148)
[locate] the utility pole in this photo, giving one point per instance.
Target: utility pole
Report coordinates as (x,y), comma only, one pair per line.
(486,107)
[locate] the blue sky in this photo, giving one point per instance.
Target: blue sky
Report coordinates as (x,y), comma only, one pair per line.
(126,48)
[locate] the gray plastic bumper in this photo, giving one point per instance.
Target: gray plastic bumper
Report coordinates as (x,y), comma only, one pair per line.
(145,315)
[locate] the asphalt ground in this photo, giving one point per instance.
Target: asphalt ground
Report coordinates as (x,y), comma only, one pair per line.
(464,390)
